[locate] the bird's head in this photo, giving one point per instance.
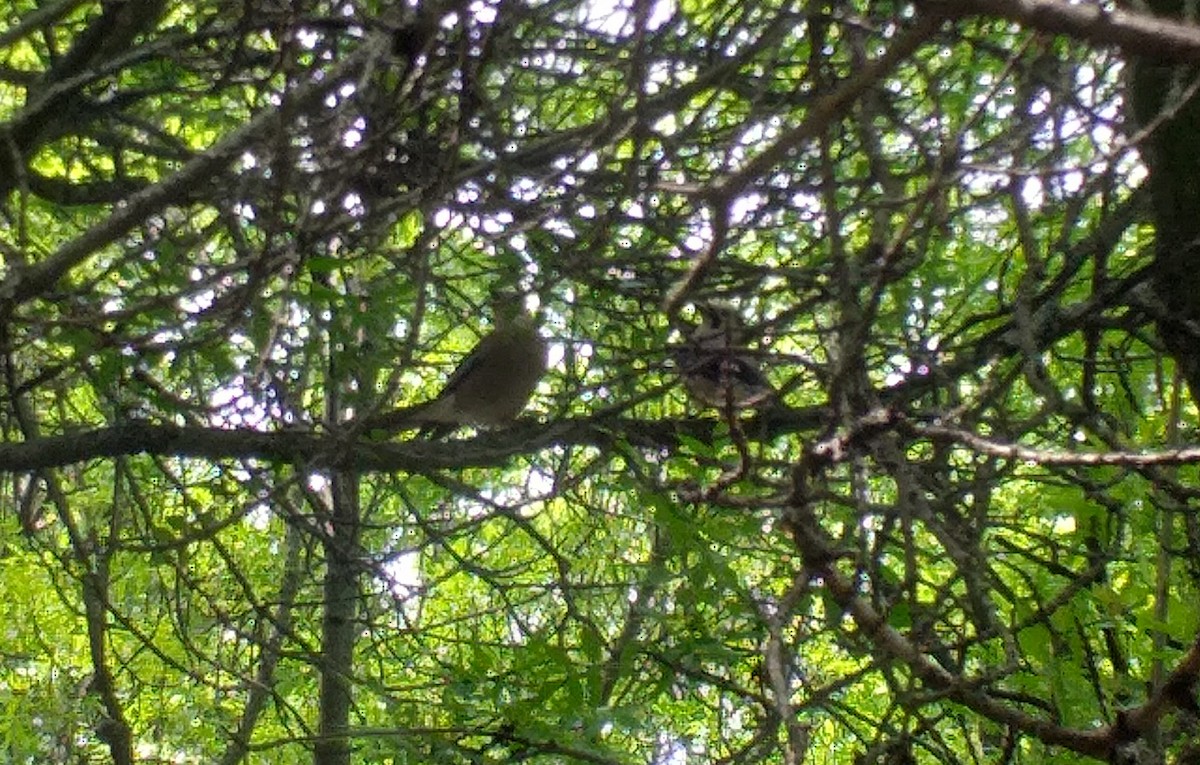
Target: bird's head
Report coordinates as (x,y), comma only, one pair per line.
(720,324)
(512,308)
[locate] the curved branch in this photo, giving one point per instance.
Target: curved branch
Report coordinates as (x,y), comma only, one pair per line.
(1135,33)
(819,554)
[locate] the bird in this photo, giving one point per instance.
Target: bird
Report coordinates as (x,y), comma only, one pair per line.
(490,386)
(715,367)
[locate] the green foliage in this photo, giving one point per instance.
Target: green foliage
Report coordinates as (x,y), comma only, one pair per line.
(247,240)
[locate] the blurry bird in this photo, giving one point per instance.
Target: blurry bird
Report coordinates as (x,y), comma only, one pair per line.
(490,386)
(716,369)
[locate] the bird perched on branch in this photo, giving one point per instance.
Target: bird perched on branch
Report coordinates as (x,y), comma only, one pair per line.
(491,385)
(716,368)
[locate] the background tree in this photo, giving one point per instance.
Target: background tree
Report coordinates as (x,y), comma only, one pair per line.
(960,234)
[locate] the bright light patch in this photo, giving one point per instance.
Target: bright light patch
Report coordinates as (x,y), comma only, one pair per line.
(1064,524)
(482,12)
(404,574)
(615,18)
(743,207)
(308,38)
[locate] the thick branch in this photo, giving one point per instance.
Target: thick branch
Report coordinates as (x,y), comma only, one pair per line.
(1135,33)
(312,449)
(322,450)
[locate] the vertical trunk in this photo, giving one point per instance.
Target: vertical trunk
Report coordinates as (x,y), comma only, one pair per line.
(338,626)
(1162,102)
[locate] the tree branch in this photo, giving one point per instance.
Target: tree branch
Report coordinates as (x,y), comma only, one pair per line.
(1135,33)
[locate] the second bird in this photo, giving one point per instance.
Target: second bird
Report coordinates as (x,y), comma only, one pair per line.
(716,368)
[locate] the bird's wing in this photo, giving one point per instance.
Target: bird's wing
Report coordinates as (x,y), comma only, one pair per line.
(477,358)
(716,379)
(440,409)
